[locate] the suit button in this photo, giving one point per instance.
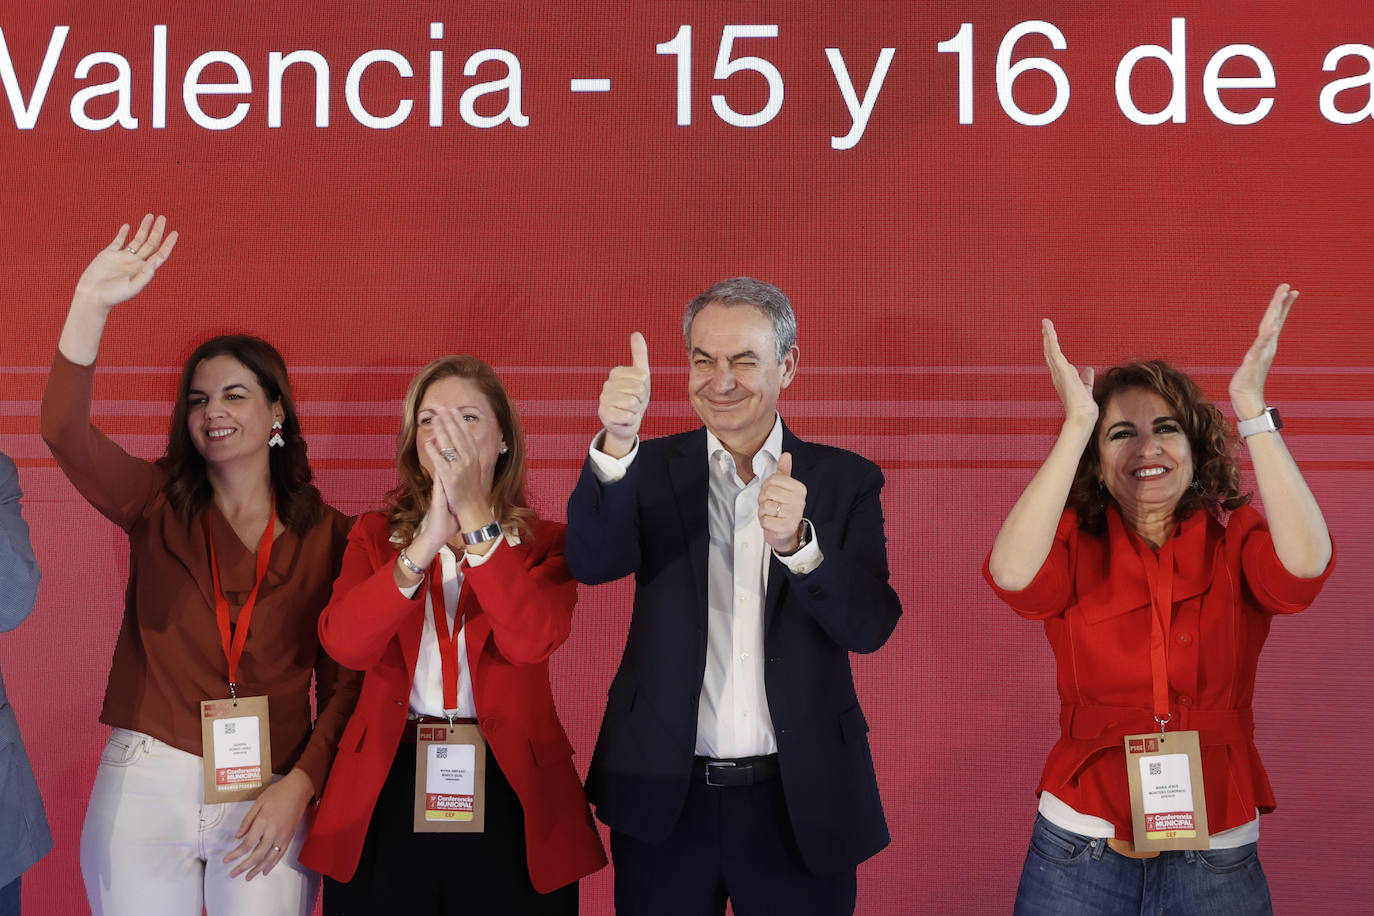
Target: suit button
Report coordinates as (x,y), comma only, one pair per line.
(1185,701)
(1185,638)
(814,591)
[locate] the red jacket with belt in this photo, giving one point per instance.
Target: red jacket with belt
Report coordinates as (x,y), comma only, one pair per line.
(1094,598)
(518,609)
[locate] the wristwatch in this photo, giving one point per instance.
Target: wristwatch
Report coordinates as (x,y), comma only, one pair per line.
(804,537)
(1267,422)
(482,535)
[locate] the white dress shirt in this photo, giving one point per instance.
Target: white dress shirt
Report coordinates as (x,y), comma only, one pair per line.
(733,719)
(427,687)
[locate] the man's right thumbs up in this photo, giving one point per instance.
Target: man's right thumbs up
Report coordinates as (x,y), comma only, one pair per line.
(624,398)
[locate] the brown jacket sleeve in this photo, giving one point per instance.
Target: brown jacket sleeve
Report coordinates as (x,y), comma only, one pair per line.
(336,687)
(116,483)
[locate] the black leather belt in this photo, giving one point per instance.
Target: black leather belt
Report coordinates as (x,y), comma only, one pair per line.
(740,771)
(410,734)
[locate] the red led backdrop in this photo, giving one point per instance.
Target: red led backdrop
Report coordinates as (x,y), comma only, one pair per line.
(369,187)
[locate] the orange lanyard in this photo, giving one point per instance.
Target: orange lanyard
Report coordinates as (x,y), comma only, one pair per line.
(232,639)
(1159,572)
(448,642)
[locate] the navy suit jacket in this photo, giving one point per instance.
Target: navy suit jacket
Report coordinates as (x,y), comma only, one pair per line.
(653,524)
(24,837)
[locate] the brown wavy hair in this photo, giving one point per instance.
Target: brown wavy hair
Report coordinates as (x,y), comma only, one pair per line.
(409,502)
(1216,478)
(188,489)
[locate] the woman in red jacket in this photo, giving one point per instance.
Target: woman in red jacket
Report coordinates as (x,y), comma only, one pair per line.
(452,602)
(1156,612)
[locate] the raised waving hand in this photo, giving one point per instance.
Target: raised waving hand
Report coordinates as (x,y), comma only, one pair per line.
(118,273)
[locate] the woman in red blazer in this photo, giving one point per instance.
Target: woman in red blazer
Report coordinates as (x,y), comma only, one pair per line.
(1156,585)
(457,534)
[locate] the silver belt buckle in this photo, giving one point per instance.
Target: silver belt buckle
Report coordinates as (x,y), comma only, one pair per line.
(711,764)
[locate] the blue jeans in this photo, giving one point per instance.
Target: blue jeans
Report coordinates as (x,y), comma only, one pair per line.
(1067,874)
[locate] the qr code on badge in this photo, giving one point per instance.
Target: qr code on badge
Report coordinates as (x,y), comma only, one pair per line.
(1156,768)
(230,727)
(441,753)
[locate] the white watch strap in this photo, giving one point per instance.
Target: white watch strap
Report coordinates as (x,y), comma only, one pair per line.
(1264,423)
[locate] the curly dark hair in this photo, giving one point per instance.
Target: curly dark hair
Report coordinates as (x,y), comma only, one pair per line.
(188,490)
(1216,478)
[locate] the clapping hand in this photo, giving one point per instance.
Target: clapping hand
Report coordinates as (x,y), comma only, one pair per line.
(1074,386)
(1247,385)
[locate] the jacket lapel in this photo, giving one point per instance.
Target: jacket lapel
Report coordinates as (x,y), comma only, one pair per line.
(1114,581)
(803,466)
(476,630)
(688,472)
(189,547)
(412,628)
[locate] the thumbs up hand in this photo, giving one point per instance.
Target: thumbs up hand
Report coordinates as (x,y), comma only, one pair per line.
(782,503)
(624,399)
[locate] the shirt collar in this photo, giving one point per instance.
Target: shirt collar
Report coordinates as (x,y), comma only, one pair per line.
(765,459)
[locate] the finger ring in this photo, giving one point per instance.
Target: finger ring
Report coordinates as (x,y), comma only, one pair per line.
(276,849)
(132,249)
(450,454)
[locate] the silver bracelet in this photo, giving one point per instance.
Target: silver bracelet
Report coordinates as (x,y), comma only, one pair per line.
(405,561)
(482,535)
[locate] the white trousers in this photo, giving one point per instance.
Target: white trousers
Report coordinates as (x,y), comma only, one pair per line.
(151,845)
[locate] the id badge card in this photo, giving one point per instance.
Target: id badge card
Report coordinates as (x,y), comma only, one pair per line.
(1168,809)
(236,748)
(450,779)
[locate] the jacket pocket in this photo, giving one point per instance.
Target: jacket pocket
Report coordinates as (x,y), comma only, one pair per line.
(552,749)
(125,748)
(853,725)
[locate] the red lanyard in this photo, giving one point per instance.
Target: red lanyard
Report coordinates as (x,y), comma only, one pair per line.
(233,646)
(448,642)
(1159,572)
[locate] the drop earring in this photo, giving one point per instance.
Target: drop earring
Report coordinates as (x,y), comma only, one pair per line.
(276,441)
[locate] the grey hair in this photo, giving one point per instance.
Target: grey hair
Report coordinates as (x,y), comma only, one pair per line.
(765,297)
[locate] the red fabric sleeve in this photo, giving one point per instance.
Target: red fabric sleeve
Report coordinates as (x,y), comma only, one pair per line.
(366,608)
(528,595)
(1050,592)
(1273,587)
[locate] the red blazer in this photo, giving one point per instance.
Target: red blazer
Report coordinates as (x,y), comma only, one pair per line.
(1094,598)
(518,608)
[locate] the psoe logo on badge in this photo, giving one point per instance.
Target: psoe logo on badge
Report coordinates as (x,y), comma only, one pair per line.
(1136,746)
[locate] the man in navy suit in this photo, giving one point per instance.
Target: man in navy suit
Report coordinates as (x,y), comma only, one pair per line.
(733,759)
(24,837)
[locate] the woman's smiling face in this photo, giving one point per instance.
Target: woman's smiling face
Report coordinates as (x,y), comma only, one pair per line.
(1145,458)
